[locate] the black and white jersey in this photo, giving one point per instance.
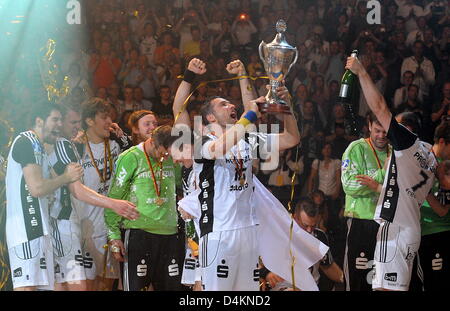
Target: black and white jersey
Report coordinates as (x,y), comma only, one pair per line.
(27,216)
(226,185)
(409,178)
(327,260)
(65,152)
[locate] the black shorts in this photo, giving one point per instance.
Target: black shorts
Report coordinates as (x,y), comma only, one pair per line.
(359,252)
(434,256)
(152,261)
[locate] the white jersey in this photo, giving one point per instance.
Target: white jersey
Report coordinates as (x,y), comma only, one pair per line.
(408,180)
(226,186)
(65,153)
(27,216)
(94,214)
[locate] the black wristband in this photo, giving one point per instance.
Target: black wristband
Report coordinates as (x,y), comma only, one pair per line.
(189,76)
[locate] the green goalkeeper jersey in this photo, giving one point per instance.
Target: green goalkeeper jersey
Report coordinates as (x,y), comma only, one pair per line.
(430,221)
(361,159)
(133,182)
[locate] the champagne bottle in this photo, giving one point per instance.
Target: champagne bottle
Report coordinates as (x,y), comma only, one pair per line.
(192,237)
(348,86)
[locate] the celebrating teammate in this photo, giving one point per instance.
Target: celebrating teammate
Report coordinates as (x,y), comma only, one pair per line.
(30,194)
(411,172)
(70,272)
(149,248)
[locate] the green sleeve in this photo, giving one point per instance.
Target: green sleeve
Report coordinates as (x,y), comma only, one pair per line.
(352,165)
(120,188)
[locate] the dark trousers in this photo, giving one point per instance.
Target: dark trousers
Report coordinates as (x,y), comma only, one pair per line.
(431,273)
(359,254)
(152,261)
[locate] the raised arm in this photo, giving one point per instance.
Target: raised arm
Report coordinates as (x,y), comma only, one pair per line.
(195,67)
(247,91)
(374,99)
(291,135)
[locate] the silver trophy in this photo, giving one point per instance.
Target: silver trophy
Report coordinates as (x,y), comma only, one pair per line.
(278,57)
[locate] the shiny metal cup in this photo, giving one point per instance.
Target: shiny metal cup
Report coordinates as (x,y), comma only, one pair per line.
(278,58)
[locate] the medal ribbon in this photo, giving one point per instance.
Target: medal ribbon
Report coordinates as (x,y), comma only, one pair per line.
(155,184)
(375,153)
(107,157)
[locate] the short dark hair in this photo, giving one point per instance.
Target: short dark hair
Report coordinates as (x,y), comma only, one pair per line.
(371,117)
(207,109)
(410,119)
(90,108)
(41,109)
(308,206)
(67,105)
(162,136)
(442,131)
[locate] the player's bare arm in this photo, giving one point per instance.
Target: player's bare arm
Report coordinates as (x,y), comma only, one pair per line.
(247,92)
(198,67)
(373,97)
(39,186)
(89,196)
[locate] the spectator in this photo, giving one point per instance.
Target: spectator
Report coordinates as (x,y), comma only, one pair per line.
(422,68)
(192,48)
(242,31)
(138,95)
(104,66)
(148,43)
(401,94)
(165,47)
(163,107)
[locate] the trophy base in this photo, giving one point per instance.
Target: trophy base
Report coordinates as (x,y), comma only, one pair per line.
(273,108)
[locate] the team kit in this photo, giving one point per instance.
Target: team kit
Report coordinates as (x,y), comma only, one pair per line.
(90,208)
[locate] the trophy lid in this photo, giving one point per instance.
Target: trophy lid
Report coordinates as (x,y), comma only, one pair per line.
(280,38)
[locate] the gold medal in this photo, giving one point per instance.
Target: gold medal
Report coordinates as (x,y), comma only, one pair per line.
(159,201)
(241,181)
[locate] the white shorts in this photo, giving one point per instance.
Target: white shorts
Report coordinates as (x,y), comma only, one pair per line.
(98,261)
(191,269)
(67,252)
(394,256)
(32,264)
(229,260)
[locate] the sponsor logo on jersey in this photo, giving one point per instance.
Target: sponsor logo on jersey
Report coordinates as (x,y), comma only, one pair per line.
(88,262)
(79,260)
(189,263)
(222,270)
(345,164)
(42,263)
(121,177)
(173,268)
(256,274)
(141,269)
(17,273)
(391,277)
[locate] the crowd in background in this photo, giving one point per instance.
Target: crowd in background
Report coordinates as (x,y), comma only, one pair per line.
(136,49)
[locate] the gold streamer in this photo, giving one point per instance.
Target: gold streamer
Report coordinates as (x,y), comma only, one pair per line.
(291,227)
(49,74)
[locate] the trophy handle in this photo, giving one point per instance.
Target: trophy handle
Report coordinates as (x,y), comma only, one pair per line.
(262,45)
(293,63)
